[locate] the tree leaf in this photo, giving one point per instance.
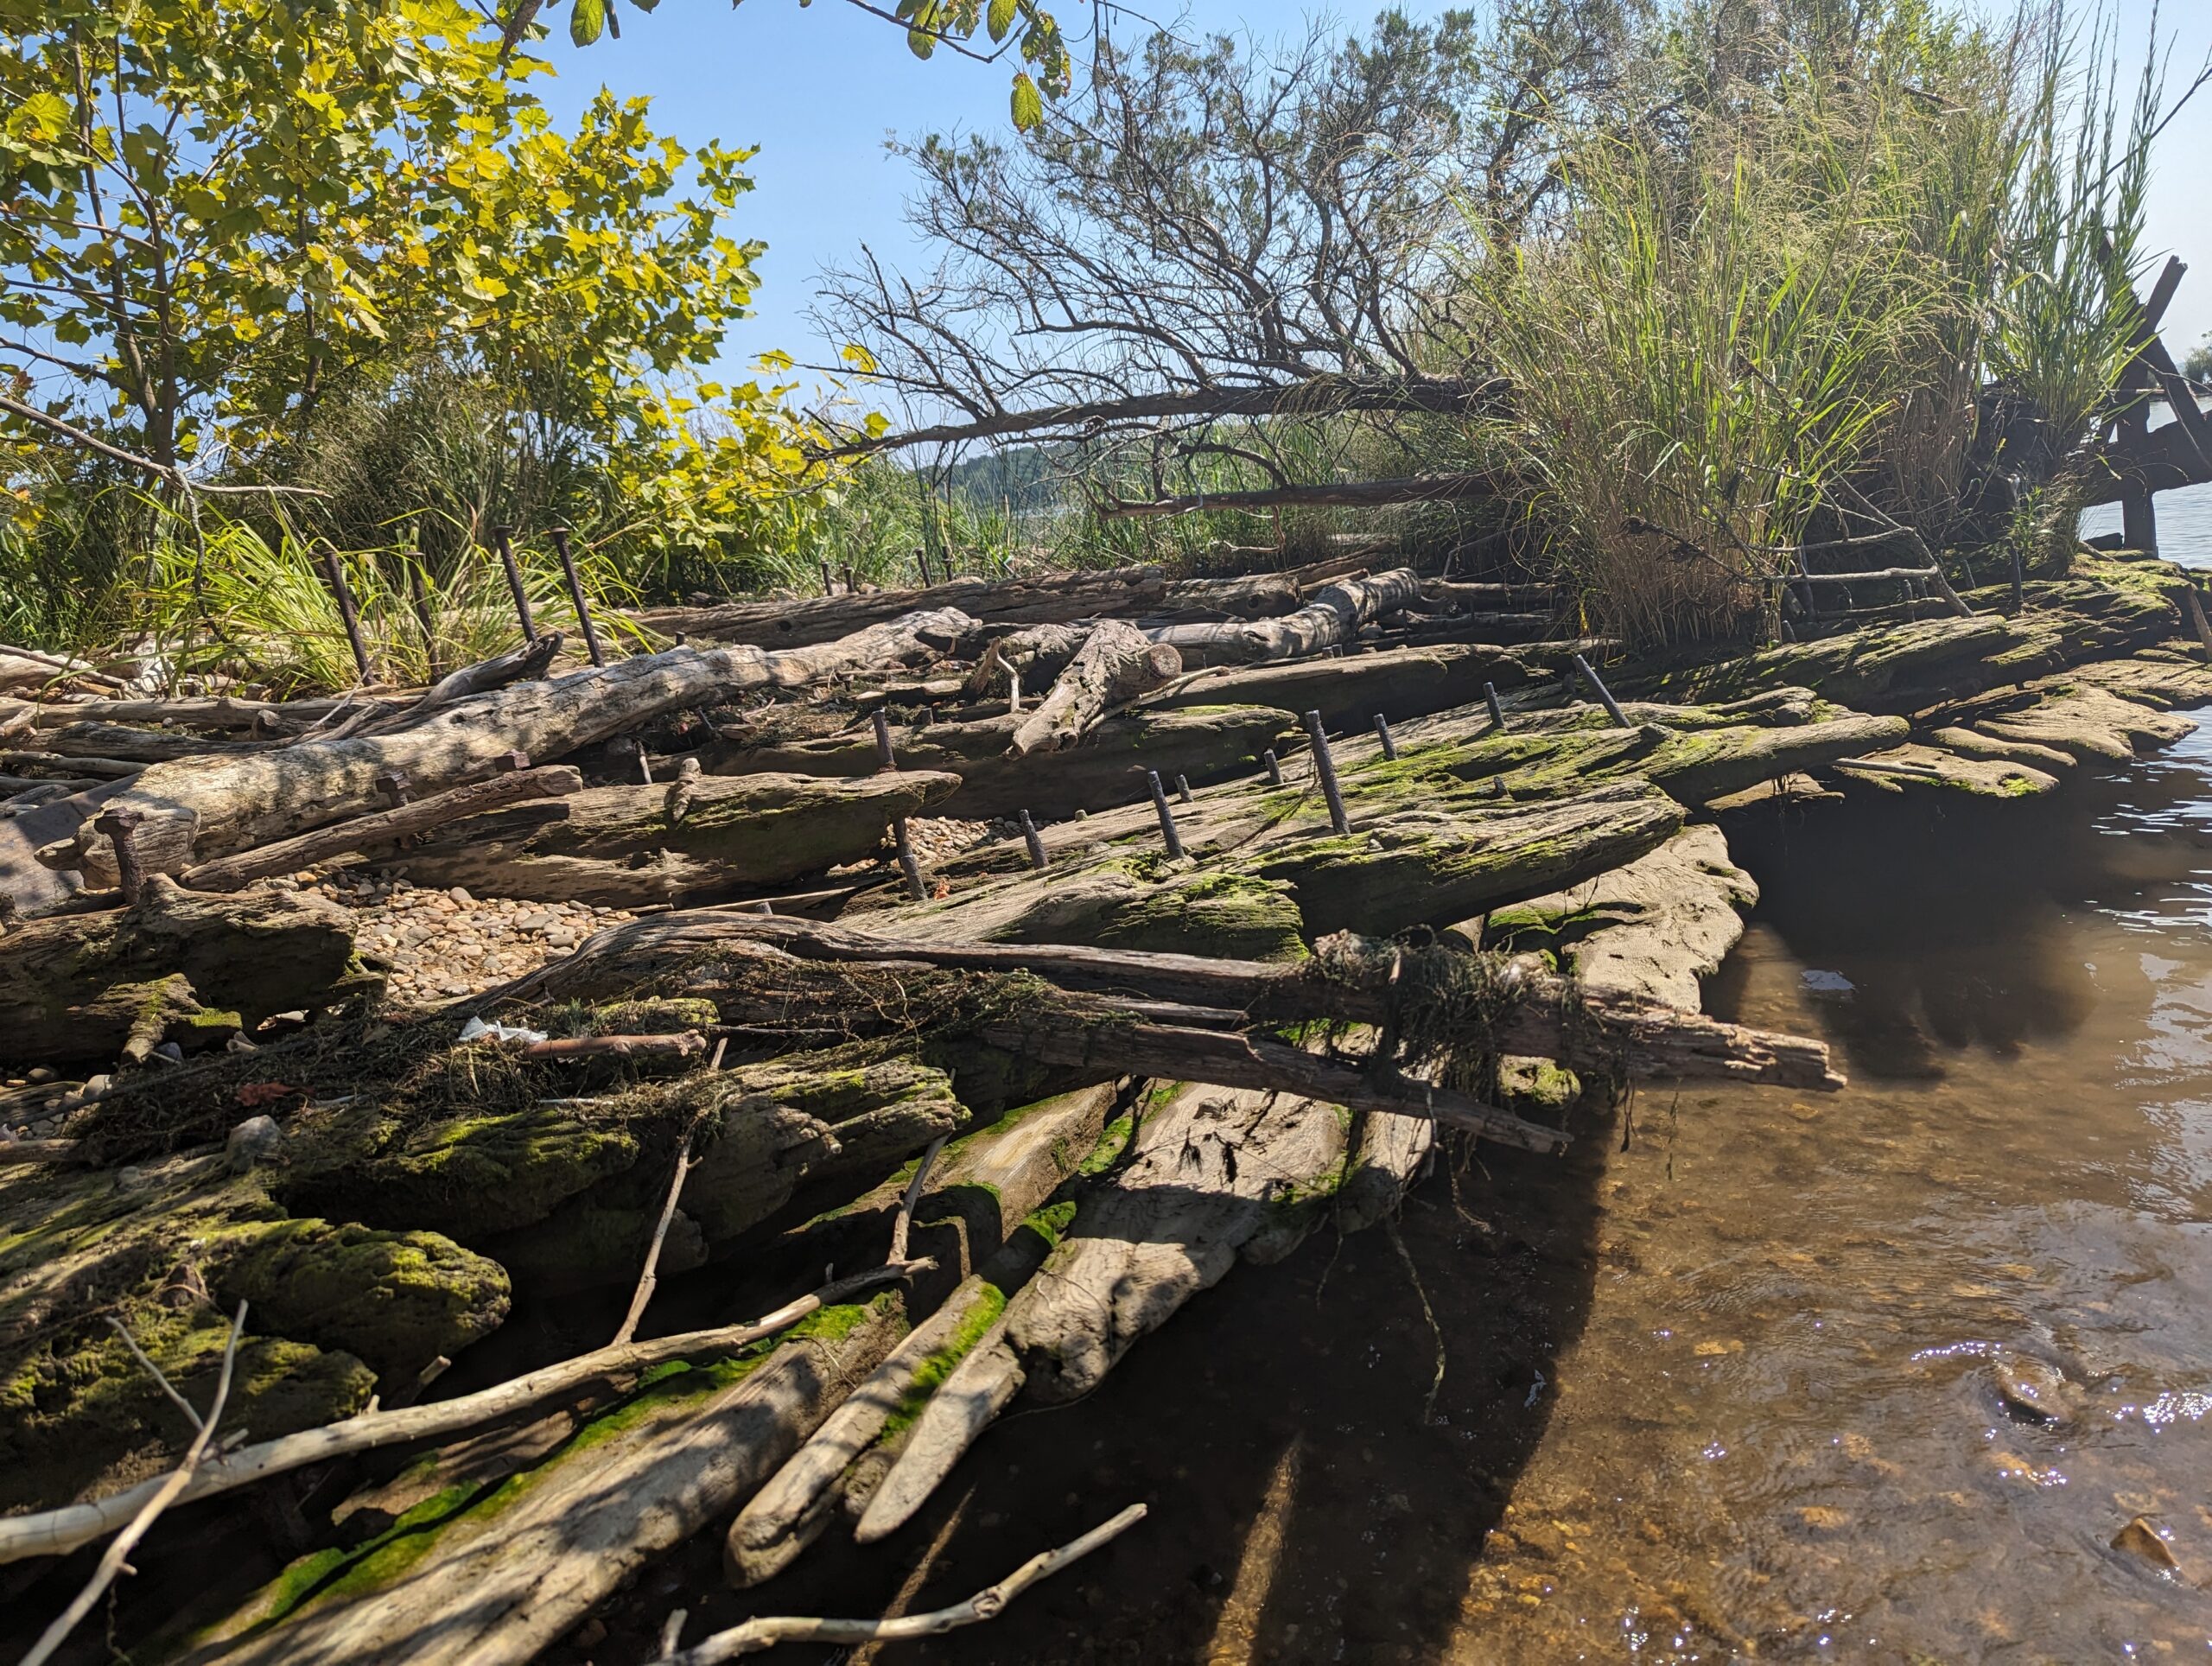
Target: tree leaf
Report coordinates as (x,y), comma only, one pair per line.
(586,19)
(1028,103)
(919,44)
(1001,16)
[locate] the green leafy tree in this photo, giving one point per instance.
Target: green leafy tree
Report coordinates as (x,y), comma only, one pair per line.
(987,30)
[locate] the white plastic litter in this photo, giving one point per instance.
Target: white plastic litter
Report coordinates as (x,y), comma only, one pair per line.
(477,1030)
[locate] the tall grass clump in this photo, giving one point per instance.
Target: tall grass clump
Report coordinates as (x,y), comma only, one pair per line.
(1756,338)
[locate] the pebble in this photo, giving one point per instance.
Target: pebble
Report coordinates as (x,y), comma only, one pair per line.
(2035,1388)
(2143,1543)
(252,1142)
(448,943)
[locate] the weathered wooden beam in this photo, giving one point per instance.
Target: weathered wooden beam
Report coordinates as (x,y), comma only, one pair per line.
(384,827)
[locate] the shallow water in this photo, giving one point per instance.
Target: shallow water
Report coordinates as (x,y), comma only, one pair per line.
(1780,1430)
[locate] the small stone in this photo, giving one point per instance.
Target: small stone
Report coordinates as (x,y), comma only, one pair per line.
(2035,1388)
(43,1073)
(1823,1518)
(2143,1542)
(255,1140)
(459,894)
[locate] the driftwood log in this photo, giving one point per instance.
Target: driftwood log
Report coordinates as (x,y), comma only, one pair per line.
(1205,742)
(1115,663)
(1332,619)
(199,808)
(388,827)
(696,837)
(1048,598)
(86,986)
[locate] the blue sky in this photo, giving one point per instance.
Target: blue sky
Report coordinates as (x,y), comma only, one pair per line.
(818,89)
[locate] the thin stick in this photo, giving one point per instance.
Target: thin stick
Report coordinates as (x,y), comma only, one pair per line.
(988,1604)
(650,1275)
(164,1495)
(912,1196)
(155,1372)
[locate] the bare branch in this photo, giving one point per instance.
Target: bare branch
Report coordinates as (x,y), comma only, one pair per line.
(164,1494)
(756,1635)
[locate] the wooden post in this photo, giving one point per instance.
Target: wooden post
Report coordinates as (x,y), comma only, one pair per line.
(829,584)
(1497,711)
(1183,789)
(1168,835)
(1037,859)
(1274,766)
(1325,766)
(500,538)
(884,758)
(1382,734)
(346,611)
(576,595)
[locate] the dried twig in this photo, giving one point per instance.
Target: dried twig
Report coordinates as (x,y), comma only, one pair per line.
(910,1198)
(989,1603)
(650,1275)
(164,1495)
(155,1372)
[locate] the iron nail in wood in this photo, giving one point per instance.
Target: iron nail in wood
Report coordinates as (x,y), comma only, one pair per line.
(576,595)
(502,539)
(1274,766)
(1605,696)
(394,786)
(121,826)
(884,759)
(922,561)
(1183,789)
(1324,767)
(852,583)
(1168,835)
(1497,711)
(346,611)
(907,865)
(829,584)
(1382,734)
(1037,859)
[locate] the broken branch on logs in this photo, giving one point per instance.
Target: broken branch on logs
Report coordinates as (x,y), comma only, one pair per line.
(648,1275)
(1117,663)
(1332,619)
(1547,1016)
(755,1635)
